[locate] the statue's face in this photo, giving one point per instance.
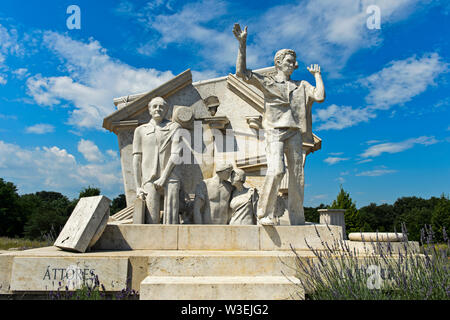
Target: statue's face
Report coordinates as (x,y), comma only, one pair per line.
(287,65)
(236,178)
(225,174)
(158,109)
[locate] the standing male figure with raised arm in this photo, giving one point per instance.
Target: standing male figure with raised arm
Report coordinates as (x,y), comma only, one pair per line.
(287,122)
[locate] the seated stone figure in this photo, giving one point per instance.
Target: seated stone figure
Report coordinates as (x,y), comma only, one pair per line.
(243,200)
(212,197)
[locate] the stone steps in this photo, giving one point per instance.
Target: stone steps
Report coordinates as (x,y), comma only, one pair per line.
(216,263)
(220,288)
(221,275)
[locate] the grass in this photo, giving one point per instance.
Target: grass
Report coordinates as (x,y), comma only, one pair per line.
(338,273)
(22,244)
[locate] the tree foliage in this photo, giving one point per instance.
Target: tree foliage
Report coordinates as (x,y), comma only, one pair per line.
(11,215)
(351,216)
(118,203)
(89,192)
(47,213)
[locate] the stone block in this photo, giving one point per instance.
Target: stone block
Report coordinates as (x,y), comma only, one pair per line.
(51,273)
(221,288)
(6,261)
(283,237)
(218,237)
(85,225)
(138,237)
(333,217)
(412,247)
(377,236)
(221,263)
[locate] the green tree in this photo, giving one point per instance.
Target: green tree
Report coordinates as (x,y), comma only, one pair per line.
(440,218)
(343,201)
(11,214)
(47,213)
(377,218)
(414,213)
(118,203)
(312,215)
(89,192)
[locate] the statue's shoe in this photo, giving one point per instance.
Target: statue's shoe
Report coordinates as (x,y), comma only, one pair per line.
(266,221)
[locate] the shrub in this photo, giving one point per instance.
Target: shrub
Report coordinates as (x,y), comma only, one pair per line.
(95,291)
(338,273)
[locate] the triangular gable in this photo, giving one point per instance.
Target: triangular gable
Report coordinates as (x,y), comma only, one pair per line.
(140,105)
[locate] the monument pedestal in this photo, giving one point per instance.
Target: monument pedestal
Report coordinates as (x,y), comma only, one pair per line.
(178,261)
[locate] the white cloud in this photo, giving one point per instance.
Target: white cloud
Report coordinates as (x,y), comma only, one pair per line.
(335,153)
(112,153)
(373,141)
(402,80)
(90,151)
(319,196)
(8,117)
(334,160)
(340,179)
(93,80)
(326,32)
(40,128)
(340,117)
(395,147)
(188,25)
(53,168)
(9,44)
(21,73)
(375,173)
(364,161)
(3,80)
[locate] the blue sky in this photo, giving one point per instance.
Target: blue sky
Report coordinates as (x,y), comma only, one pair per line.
(385,124)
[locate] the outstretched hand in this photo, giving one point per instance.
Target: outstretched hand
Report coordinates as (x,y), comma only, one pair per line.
(239,34)
(314,69)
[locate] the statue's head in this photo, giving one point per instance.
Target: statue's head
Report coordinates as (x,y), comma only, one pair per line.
(158,108)
(224,170)
(238,176)
(286,61)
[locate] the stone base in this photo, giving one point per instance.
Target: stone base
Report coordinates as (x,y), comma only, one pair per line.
(216,237)
(179,262)
(221,288)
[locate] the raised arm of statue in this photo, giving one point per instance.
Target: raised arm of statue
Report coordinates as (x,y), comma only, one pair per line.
(241,63)
(319,90)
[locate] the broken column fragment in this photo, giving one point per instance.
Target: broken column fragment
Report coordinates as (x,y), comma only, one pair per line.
(85,225)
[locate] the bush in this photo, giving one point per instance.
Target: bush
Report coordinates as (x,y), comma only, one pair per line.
(338,273)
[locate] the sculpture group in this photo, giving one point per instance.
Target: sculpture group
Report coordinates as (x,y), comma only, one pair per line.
(287,123)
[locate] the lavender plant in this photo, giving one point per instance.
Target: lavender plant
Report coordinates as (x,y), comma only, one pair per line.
(339,273)
(95,291)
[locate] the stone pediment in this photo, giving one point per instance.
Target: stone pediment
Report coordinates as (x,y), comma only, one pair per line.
(130,106)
